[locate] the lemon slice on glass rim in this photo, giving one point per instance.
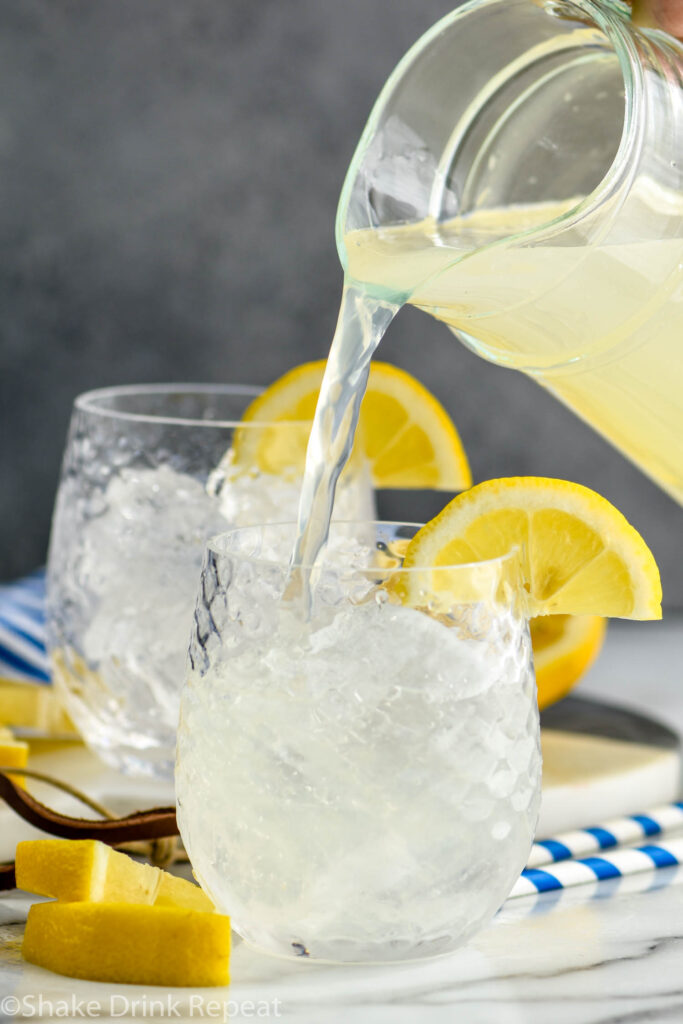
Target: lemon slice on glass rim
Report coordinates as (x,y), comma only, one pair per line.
(579,555)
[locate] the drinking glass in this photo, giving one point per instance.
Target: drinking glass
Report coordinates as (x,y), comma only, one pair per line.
(150,473)
(362,784)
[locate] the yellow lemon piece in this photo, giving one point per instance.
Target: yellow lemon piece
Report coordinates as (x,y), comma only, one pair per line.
(83,869)
(13,753)
(32,705)
(405,433)
(23,703)
(86,870)
(565,647)
(129,943)
(177,892)
(579,554)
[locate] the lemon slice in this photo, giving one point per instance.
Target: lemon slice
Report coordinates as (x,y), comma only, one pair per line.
(405,433)
(579,554)
(565,647)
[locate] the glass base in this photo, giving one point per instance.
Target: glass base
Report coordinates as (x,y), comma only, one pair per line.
(105,733)
(156,763)
(344,952)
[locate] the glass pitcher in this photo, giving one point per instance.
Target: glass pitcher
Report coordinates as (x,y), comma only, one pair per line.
(520,179)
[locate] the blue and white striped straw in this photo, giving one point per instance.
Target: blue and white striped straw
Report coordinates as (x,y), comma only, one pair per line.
(617,864)
(564,861)
(617,832)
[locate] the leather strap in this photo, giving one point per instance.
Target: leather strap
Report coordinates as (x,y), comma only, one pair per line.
(156,823)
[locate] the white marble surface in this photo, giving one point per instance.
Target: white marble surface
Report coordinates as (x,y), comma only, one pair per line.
(596,954)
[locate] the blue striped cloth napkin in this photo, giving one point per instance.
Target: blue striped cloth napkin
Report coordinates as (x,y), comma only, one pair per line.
(23,657)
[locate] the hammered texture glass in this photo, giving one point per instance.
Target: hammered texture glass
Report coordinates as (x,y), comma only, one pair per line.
(364,785)
(144,484)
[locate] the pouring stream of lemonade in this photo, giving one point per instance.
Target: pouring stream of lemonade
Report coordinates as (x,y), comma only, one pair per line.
(603,324)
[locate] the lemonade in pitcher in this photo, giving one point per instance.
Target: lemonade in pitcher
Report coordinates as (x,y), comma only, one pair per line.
(599,326)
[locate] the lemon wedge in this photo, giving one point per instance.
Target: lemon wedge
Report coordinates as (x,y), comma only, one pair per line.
(129,943)
(78,870)
(405,433)
(565,647)
(579,554)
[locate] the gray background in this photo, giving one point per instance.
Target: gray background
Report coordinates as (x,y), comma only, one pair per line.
(169,175)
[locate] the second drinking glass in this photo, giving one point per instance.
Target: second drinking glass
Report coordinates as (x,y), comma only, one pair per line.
(149,473)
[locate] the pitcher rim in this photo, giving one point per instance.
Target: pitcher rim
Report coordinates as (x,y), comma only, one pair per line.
(613,19)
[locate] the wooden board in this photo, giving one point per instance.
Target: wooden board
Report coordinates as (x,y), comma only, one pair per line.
(601,761)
